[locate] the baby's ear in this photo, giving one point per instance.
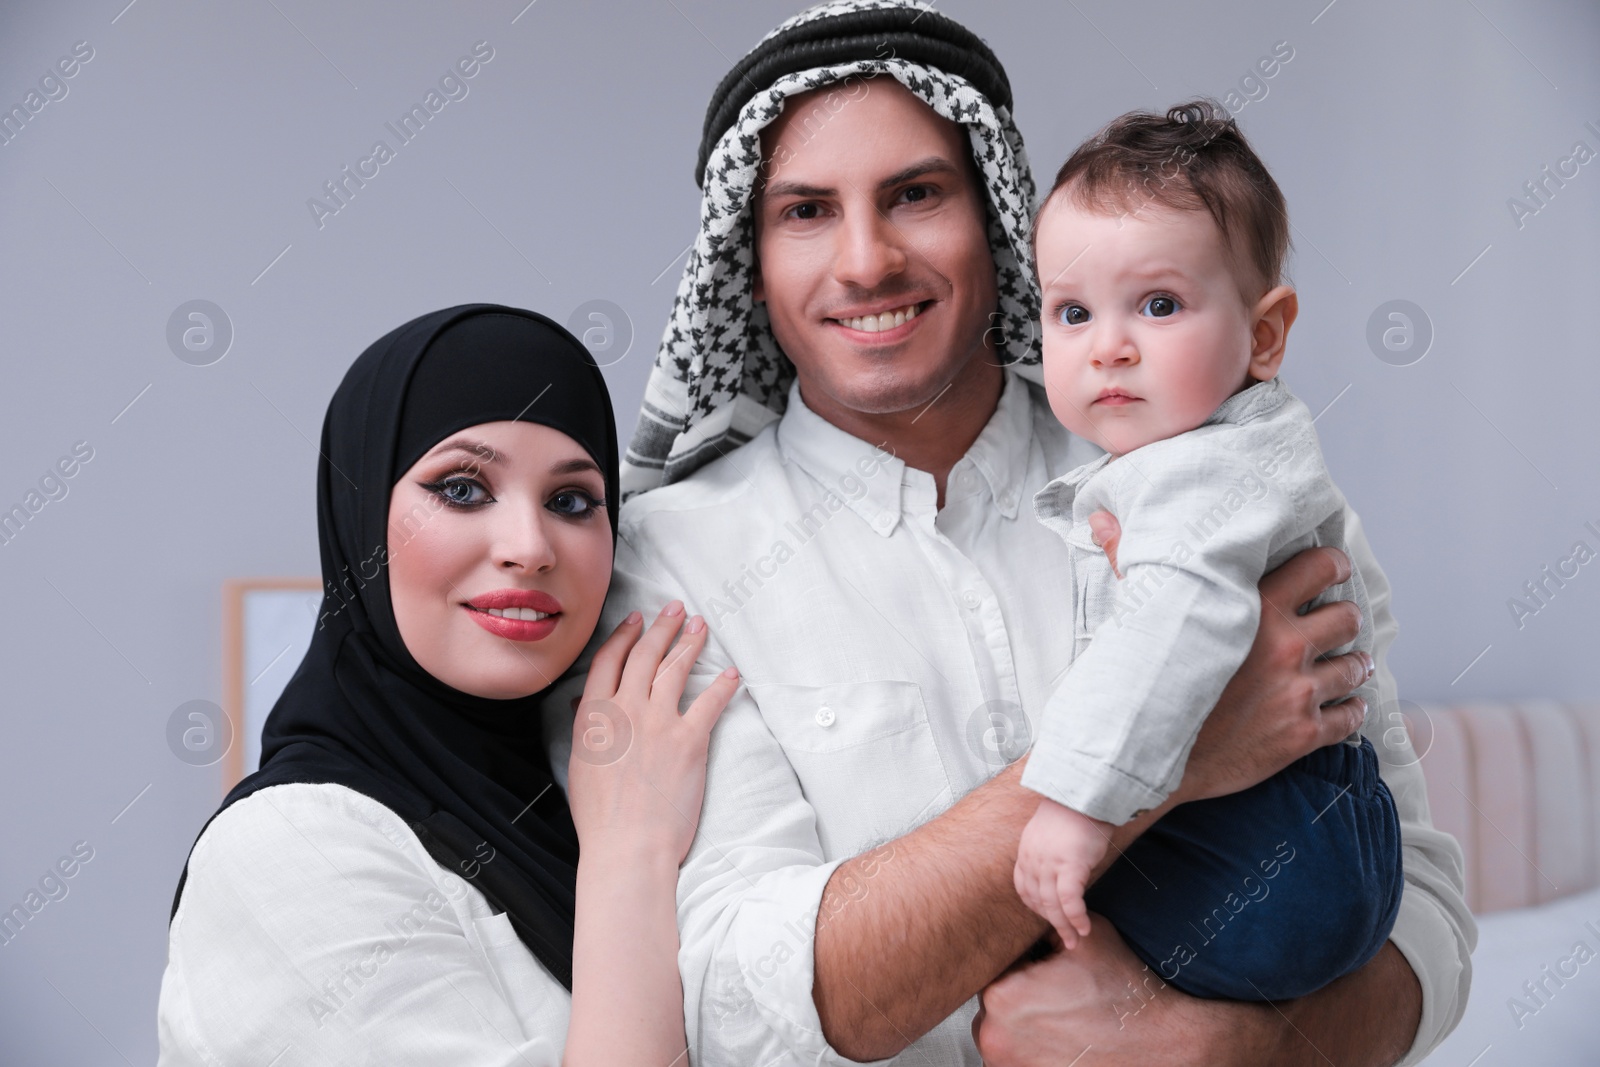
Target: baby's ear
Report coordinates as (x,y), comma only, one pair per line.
(1271,318)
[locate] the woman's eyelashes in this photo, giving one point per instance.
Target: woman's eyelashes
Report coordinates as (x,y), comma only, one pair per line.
(562,503)
(466,493)
(460,491)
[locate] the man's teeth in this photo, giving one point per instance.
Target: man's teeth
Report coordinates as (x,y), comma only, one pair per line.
(525,614)
(888,320)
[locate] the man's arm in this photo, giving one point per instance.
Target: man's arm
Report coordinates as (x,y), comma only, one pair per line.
(945,920)
(1401,1004)
(1102,1004)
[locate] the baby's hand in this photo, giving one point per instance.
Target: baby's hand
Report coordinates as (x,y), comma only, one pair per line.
(1059,850)
(1106,531)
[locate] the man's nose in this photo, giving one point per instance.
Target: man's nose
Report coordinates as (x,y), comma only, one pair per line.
(870,249)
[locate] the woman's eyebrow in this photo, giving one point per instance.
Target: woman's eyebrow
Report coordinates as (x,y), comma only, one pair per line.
(475,449)
(575,466)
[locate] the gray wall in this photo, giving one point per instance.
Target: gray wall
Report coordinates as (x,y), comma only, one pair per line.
(178,166)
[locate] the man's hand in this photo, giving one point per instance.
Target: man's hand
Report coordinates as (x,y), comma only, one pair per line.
(947,918)
(1271,712)
(1106,531)
(1101,1004)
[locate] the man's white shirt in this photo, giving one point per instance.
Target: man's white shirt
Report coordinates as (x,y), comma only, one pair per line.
(893,654)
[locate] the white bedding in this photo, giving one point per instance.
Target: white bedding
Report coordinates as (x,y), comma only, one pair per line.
(1556,1026)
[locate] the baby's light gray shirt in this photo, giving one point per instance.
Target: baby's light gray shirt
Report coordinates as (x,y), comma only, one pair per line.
(1204,515)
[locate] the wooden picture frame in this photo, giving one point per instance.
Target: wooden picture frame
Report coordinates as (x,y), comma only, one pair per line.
(260,615)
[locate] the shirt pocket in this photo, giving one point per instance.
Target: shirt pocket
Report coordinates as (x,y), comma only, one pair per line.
(865,756)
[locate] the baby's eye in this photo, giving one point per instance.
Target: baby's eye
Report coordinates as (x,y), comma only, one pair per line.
(574,502)
(1073,314)
(1159,307)
(460,492)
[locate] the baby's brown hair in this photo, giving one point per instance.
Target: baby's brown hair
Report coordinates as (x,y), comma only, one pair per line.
(1192,157)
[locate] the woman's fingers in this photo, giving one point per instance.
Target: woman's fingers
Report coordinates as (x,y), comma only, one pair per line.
(708,706)
(673,673)
(645,656)
(605,671)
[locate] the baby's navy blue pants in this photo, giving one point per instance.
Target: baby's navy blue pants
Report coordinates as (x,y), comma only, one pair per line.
(1266,894)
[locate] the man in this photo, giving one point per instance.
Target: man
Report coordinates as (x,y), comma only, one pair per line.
(853,337)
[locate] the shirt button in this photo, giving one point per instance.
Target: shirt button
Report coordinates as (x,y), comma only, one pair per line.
(970,599)
(967,479)
(883,522)
(1005,500)
(825,716)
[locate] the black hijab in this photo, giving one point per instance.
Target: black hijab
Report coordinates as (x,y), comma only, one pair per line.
(470,775)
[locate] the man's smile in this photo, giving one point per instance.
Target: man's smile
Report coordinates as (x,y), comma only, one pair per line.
(895,322)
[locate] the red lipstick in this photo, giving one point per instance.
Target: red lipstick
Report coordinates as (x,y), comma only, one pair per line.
(513,613)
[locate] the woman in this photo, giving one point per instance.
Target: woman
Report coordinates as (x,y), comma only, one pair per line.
(400,882)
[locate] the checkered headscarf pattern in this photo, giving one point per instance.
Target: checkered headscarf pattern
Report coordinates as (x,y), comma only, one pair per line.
(719,376)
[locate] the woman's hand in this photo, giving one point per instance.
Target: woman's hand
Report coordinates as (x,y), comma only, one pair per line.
(634,783)
(1271,712)
(638,768)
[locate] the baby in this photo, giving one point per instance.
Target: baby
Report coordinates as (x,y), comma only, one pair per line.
(1160,249)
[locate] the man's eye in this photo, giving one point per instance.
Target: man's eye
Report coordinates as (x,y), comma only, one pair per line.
(460,492)
(1073,314)
(917,193)
(804,212)
(574,502)
(1159,307)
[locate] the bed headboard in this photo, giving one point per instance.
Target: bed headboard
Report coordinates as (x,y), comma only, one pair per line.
(1518,784)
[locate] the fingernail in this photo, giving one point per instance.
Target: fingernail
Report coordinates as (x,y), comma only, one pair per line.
(1371,666)
(633,617)
(674,608)
(731,672)
(696,624)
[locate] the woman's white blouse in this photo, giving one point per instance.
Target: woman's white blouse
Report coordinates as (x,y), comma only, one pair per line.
(314,928)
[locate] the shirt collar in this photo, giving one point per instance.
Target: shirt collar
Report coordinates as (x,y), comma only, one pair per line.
(834,457)
(866,478)
(1000,454)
